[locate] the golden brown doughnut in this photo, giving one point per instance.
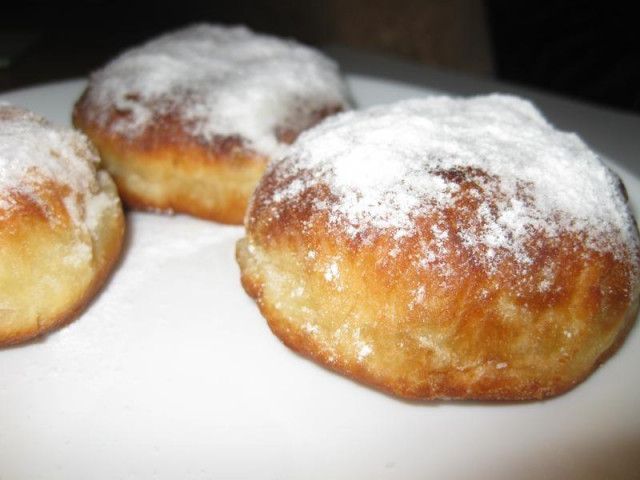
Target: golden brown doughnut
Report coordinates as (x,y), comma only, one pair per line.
(61,224)
(188,121)
(445,248)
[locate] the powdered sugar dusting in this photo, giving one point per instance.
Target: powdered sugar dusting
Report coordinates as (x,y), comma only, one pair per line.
(223,81)
(33,152)
(387,166)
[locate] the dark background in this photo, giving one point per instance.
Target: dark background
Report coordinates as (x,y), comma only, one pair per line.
(583,49)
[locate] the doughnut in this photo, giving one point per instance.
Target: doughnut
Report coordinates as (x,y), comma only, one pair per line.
(188,121)
(444,248)
(61,224)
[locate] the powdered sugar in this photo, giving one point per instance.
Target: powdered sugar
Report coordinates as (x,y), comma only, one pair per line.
(34,152)
(387,166)
(223,81)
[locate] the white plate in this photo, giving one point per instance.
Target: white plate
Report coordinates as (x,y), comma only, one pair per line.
(171,373)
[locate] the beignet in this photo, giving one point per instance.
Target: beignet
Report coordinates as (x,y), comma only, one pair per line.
(188,121)
(61,224)
(445,248)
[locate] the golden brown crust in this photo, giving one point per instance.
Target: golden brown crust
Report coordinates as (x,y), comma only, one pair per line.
(50,267)
(187,121)
(369,309)
(165,168)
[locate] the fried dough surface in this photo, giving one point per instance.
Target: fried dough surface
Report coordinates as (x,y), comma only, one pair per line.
(61,225)
(445,248)
(188,121)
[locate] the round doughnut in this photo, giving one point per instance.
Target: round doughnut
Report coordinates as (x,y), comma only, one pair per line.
(61,224)
(188,121)
(445,248)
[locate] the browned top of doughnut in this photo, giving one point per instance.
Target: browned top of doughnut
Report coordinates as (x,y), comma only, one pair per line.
(445,248)
(48,171)
(214,84)
(482,186)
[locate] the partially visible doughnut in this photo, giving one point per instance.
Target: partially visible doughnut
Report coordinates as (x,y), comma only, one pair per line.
(188,121)
(445,248)
(61,224)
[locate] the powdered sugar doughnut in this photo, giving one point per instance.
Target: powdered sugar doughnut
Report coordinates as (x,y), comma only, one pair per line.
(188,121)
(445,248)
(61,224)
